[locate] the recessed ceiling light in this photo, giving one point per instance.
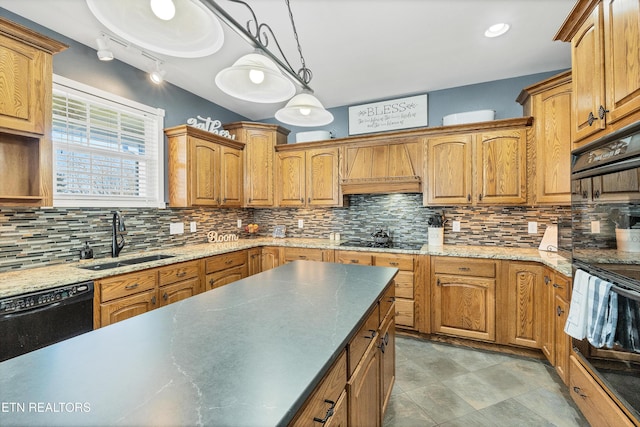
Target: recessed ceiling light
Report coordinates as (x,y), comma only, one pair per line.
(497,30)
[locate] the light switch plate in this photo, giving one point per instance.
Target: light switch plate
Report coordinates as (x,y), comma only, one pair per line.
(239,223)
(176,228)
(301,223)
(456,226)
(193,226)
(595,227)
(533,227)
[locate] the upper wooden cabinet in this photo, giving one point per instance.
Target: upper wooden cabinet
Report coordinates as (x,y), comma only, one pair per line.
(25,115)
(308,177)
(260,140)
(604,37)
(480,168)
(550,103)
(204,169)
(378,166)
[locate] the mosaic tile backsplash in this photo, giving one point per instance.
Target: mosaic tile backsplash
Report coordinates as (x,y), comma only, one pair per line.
(37,237)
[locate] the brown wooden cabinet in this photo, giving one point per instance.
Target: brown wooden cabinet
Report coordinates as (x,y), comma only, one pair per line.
(290,254)
(606,94)
(270,258)
(623,186)
(387,346)
(526,309)
(406,282)
(550,103)
(26,172)
(463,297)
(204,169)
(481,168)
(223,269)
(254,261)
(308,178)
(353,257)
(124,296)
(562,342)
(178,281)
(260,140)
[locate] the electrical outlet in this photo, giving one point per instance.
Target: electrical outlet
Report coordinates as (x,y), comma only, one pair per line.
(176,228)
(595,227)
(239,223)
(456,226)
(533,227)
(193,226)
(301,223)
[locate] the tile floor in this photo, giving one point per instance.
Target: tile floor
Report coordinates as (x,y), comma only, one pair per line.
(444,385)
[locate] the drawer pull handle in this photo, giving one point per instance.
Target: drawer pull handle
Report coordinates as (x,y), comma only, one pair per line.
(464,268)
(547,280)
(555,285)
(229,261)
(211,282)
(130,287)
(302,257)
(354,261)
(329,412)
(395,264)
(438,282)
(382,346)
(373,334)
(165,296)
(577,390)
(181,274)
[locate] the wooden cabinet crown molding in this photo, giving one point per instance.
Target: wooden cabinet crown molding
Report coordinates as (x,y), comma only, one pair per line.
(182,130)
(575,19)
(256,125)
(543,86)
(28,36)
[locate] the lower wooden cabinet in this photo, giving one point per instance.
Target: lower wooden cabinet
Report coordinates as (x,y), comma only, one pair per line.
(270,258)
(254,261)
(223,269)
(124,296)
(306,254)
(127,307)
(463,297)
(178,281)
(179,291)
(562,342)
(364,390)
(387,345)
(526,309)
(594,403)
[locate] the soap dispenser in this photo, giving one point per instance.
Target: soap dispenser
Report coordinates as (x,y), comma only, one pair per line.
(86,252)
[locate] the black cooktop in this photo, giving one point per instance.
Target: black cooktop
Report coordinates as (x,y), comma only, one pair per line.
(412,246)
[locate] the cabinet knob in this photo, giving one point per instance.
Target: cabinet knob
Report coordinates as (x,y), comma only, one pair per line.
(591,118)
(480,197)
(468,197)
(301,200)
(577,390)
(211,282)
(153,300)
(559,311)
(373,334)
(354,261)
(165,296)
(596,195)
(438,282)
(602,111)
(547,280)
(585,194)
(224,200)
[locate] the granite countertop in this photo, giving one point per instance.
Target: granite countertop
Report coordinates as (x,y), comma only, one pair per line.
(248,354)
(34,279)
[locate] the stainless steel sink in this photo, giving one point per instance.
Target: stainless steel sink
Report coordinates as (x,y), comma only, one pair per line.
(125,262)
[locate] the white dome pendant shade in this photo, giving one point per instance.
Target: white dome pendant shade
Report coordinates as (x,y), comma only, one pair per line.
(304,110)
(255,78)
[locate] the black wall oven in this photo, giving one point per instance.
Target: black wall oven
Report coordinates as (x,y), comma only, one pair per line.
(605,234)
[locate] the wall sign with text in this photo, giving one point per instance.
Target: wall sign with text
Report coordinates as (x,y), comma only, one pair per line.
(402,113)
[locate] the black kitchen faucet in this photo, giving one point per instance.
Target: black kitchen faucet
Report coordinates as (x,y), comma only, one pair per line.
(118,232)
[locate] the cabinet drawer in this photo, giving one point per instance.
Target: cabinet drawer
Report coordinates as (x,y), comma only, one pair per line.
(386,302)
(359,343)
(127,284)
(178,272)
(596,405)
(394,260)
(562,286)
(465,267)
(330,389)
(221,262)
(224,277)
(178,291)
(405,310)
(295,254)
(353,257)
(404,284)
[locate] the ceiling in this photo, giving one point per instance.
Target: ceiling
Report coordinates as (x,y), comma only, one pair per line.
(358,50)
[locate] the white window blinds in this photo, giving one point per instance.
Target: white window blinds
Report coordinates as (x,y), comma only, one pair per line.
(108,151)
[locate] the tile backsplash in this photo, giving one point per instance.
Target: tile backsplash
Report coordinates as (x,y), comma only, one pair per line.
(36,237)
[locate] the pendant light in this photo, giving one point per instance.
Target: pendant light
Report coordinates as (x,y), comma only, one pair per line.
(255,78)
(304,109)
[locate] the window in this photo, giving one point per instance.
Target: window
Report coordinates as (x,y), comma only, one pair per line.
(107,150)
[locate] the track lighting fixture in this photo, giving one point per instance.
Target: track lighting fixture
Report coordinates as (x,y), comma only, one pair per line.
(104,53)
(157,75)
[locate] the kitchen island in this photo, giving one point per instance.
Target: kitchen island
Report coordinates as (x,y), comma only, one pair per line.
(248,354)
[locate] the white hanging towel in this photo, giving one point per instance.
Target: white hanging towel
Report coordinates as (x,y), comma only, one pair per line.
(602,313)
(576,325)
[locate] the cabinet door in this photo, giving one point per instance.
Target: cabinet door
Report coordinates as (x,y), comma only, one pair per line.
(501,165)
(448,170)
(179,291)
(581,191)
(464,306)
(290,180)
(549,322)
(323,186)
(258,178)
(270,258)
(364,390)
(587,59)
(340,415)
(231,184)
(621,33)
(205,173)
(127,307)
(562,340)
(224,277)
(526,304)
(617,187)
(254,261)
(387,345)
(23,91)
(553,141)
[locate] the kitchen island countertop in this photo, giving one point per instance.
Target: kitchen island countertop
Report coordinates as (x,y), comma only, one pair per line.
(248,354)
(34,279)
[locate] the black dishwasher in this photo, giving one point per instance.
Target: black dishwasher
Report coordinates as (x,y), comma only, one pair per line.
(37,319)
